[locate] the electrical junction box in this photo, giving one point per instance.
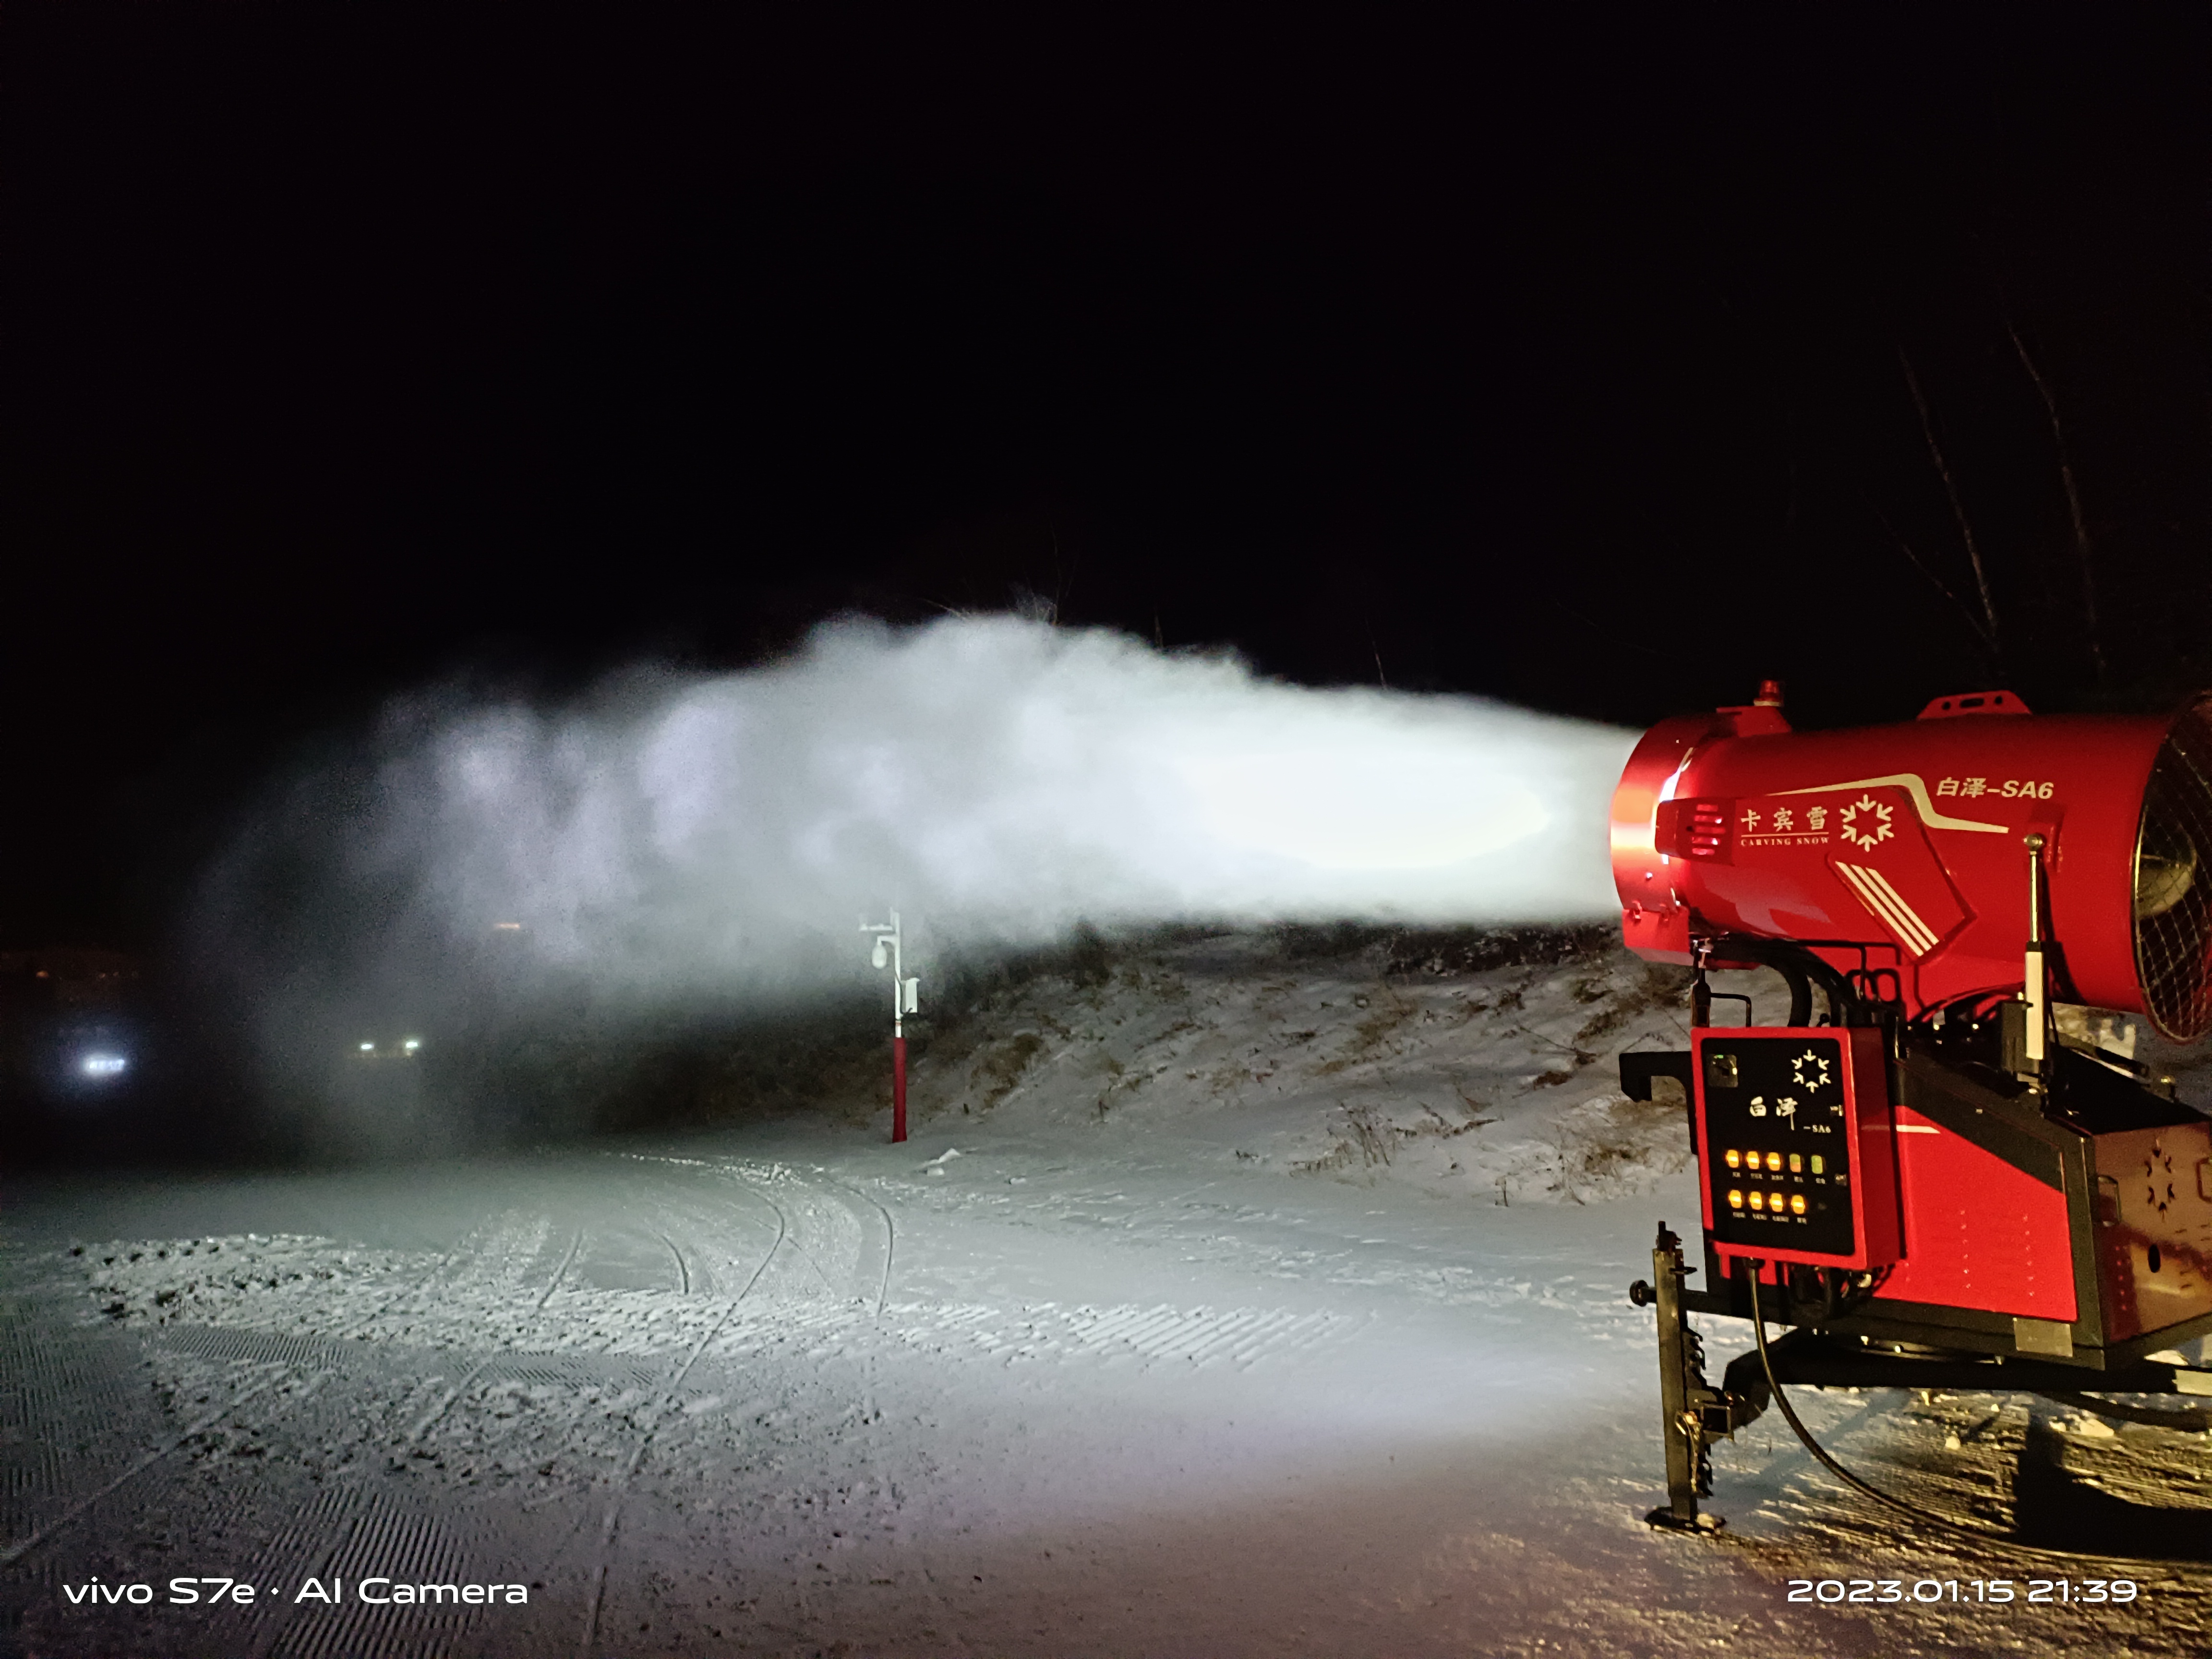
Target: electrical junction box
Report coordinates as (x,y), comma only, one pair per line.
(1795,1141)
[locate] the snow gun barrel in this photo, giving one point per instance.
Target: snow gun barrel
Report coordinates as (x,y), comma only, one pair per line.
(1900,855)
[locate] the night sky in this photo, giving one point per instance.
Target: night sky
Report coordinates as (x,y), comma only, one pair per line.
(348,347)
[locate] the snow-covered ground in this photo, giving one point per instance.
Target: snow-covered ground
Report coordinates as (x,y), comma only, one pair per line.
(1232,1297)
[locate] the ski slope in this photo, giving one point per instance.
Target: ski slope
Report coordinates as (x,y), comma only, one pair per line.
(1229,1299)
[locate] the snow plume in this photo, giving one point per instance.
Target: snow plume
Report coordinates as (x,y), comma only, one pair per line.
(673,842)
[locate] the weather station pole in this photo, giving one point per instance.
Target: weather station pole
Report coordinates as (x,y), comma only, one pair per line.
(905,998)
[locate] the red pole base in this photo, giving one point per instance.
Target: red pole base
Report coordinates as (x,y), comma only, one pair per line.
(898,1088)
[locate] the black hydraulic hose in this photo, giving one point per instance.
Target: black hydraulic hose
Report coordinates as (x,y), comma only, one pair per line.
(1957,1529)
(1800,991)
(1800,970)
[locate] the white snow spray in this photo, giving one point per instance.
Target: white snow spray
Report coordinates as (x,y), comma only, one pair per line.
(674,840)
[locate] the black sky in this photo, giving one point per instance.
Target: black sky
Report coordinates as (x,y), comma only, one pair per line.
(1564,362)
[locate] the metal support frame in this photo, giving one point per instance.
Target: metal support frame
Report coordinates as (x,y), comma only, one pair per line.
(1861,1343)
(1693,1413)
(1819,1358)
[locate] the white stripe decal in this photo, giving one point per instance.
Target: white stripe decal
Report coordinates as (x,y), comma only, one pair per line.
(1850,875)
(1888,909)
(1904,910)
(1916,941)
(1911,783)
(1874,904)
(1906,925)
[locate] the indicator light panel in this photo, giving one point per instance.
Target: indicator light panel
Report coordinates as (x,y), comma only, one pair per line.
(1806,1111)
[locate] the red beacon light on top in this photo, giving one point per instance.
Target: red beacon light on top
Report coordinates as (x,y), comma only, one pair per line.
(1930,1172)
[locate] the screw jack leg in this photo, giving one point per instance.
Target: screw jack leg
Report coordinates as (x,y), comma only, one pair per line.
(1691,1412)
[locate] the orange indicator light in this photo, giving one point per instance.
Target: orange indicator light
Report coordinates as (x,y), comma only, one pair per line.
(1774,1202)
(1736,1199)
(1796,1203)
(1734,1159)
(1774,1162)
(1758,1200)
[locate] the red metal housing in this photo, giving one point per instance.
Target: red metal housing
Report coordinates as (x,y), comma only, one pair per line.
(1991,1236)
(1901,848)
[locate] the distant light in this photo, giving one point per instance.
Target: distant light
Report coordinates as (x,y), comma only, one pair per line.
(508,927)
(368,1048)
(103,1065)
(412,1044)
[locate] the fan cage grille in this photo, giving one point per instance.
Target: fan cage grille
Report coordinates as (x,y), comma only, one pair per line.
(2172,880)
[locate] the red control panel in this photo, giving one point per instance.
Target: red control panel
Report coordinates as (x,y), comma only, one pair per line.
(1795,1144)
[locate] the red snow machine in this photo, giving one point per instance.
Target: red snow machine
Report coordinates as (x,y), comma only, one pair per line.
(1947,1169)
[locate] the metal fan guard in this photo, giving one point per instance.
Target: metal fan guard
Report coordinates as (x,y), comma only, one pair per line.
(2172,896)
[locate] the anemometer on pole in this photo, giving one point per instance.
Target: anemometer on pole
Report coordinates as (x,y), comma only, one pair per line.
(905,998)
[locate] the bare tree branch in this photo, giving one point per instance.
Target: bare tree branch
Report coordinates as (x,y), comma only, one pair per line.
(1975,624)
(2082,548)
(1988,631)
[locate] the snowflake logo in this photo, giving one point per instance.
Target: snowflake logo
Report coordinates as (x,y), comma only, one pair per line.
(1865,822)
(1810,1070)
(2151,1170)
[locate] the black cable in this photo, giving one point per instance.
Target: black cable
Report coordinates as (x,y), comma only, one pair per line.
(1976,1534)
(1801,970)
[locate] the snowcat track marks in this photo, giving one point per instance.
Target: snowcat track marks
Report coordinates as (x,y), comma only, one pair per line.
(14,1553)
(683,1268)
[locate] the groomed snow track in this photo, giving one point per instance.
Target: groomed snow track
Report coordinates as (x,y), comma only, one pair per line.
(1091,1388)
